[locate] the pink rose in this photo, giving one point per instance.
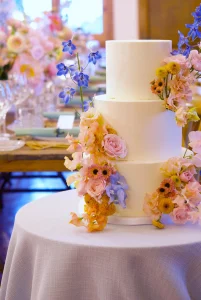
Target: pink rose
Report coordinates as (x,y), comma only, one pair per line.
(195,141)
(180,215)
(188,174)
(114,146)
(96,187)
(195,59)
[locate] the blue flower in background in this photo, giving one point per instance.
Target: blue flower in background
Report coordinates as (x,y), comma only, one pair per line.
(116,189)
(182,40)
(81,79)
(194,32)
(184,51)
(94,56)
(197,14)
(67,94)
(68,47)
(63,69)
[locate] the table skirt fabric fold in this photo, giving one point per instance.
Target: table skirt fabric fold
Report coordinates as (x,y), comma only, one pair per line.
(40,266)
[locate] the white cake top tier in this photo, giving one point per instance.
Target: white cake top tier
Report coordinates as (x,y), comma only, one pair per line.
(131,66)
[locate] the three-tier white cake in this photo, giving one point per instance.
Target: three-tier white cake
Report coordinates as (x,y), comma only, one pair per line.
(149,130)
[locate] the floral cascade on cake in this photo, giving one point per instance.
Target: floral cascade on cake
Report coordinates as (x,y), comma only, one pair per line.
(180,71)
(97,180)
(179,194)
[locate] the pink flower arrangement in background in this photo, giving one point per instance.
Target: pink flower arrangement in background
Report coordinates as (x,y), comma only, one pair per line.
(179,194)
(27,50)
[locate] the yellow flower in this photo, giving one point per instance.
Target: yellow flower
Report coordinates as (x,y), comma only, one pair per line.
(176,180)
(192,115)
(166,205)
(28,70)
(158,224)
(173,67)
(59,54)
(161,72)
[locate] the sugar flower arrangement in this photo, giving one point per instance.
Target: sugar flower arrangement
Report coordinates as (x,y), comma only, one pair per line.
(97,179)
(76,71)
(179,72)
(26,50)
(179,194)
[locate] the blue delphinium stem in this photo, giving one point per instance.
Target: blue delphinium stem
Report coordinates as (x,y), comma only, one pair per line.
(81,91)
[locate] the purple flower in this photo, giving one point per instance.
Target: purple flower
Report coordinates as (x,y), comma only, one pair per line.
(68,47)
(63,69)
(116,189)
(67,94)
(184,51)
(81,79)
(197,14)
(182,40)
(87,104)
(194,32)
(94,56)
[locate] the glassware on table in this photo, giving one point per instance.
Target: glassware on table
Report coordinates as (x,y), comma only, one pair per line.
(30,118)
(6,102)
(21,92)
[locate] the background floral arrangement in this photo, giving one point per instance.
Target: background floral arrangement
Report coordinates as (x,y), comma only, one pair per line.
(26,50)
(179,194)
(179,72)
(97,179)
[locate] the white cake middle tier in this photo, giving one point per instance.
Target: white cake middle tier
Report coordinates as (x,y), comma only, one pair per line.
(150,131)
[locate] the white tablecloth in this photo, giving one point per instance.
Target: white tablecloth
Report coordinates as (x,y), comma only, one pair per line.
(49,259)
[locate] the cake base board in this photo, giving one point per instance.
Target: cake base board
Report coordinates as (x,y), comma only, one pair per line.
(129,221)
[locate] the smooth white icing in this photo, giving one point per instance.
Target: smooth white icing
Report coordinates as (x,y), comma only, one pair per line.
(149,130)
(131,66)
(141,178)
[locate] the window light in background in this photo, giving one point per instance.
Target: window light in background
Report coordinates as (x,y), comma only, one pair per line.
(87,15)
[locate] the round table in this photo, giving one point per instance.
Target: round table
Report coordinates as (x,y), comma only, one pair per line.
(50,259)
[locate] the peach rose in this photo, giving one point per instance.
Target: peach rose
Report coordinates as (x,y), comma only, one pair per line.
(96,187)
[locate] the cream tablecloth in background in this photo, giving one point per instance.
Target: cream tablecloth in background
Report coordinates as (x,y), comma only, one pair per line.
(49,259)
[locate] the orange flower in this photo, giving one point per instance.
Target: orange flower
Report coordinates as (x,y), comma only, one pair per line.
(97,225)
(75,220)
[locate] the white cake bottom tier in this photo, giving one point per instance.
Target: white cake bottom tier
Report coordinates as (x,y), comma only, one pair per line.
(141,178)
